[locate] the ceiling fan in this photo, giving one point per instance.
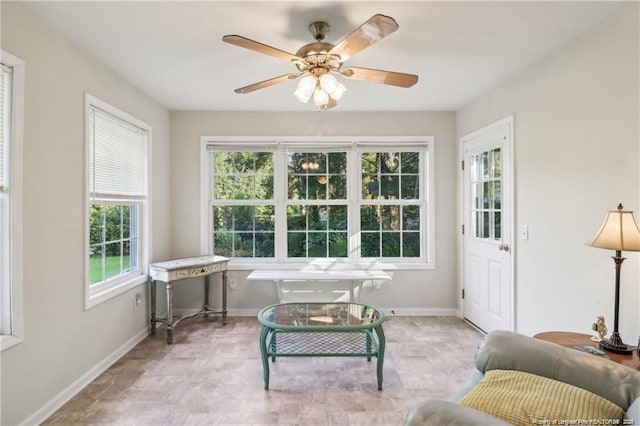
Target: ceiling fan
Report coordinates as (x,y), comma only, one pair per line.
(317,62)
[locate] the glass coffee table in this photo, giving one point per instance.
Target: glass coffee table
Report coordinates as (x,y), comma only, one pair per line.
(321,329)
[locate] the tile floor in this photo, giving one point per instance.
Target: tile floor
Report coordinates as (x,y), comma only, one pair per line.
(212,375)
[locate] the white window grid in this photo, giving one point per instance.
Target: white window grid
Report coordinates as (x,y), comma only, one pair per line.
(353,147)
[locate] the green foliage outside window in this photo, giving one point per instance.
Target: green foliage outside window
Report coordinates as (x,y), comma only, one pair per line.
(111,236)
(317,200)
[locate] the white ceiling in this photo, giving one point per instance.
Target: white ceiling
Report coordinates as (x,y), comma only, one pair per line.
(172,50)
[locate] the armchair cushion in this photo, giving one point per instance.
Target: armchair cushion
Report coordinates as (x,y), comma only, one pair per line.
(522,398)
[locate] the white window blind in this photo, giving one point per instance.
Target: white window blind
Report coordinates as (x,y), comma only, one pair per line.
(5,103)
(117,156)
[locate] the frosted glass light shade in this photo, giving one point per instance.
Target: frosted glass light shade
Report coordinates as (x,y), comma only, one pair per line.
(337,94)
(328,83)
(619,231)
(320,97)
(305,88)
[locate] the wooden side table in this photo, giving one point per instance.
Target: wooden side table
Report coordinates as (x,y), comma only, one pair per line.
(569,340)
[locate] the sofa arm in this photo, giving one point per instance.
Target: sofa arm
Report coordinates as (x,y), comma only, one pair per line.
(505,350)
(447,413)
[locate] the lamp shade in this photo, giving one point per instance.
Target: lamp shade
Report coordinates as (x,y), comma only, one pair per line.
(619,231)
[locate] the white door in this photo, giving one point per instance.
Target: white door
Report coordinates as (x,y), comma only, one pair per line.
(487,252)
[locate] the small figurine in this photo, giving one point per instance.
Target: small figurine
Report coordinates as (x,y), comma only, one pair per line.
(600,329)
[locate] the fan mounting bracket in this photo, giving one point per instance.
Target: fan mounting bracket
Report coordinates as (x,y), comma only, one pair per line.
(319,30)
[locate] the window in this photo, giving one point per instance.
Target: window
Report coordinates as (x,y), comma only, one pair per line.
(118,147)
(298,201)
(11,112)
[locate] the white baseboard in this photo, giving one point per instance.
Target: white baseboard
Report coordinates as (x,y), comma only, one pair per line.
(70,391)
(389,312)
(419,312)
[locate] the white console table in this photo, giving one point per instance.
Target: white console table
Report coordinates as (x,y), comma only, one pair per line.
(180,269)
(354,276)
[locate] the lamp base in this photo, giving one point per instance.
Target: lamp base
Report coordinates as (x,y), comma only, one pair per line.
(615,344)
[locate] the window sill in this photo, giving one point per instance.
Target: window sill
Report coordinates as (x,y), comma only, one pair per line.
(9,340)
(95,298)
(251,264)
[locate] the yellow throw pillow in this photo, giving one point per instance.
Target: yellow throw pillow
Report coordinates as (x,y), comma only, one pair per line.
(527,399)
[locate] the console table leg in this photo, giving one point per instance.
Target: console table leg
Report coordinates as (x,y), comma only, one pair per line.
(207,285)
(380,363)
(152,302)
(264,354)
(169,313)
(224,298)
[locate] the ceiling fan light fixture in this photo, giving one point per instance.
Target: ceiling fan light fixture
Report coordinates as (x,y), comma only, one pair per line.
(328,83)
(337,93)
(317,61)
(305,88)
(320,97)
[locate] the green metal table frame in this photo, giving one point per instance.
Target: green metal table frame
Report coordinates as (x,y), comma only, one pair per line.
(303,340)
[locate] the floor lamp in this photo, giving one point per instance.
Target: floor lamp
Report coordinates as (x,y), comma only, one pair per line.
(618,232)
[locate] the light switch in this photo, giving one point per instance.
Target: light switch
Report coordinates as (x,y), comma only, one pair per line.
(524,232)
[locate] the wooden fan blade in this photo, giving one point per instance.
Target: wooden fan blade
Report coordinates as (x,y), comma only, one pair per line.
(376,28)
(259,47)
(266,83)
(379,76)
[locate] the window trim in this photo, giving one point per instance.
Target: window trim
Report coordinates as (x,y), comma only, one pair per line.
(117,285)
(15,239)
(356,144)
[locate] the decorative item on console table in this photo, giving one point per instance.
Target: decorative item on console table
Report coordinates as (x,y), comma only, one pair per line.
(618,232)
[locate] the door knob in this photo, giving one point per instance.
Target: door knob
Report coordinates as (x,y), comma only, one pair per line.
(503,247)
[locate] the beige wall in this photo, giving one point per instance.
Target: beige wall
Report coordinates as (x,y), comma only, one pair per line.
(576,156)
(63,342)
(432,291)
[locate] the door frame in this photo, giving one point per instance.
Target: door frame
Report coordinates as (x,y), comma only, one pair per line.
(510,190)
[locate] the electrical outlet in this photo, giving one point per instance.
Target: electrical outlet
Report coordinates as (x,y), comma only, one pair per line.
(137,301)
(233,283)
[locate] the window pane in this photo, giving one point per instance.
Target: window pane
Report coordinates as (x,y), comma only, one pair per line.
(223,163)
(390,187)
(390,217)
(223,187)
(497,195)
(96,264)
(338,218)
(96,224)
(410,162)
(391,244)
(411,218)
(317,244)
(317,217)
(243,218)
(497,162)
(243,244)
(113,259)
(370,244)
(296,244)
(369,218)
(410,244)
(337,163)
(296,218)
(265,218)
(338,244)
(265,244)
(223,243)
(243,175)
(222,218)
(410,187)
(337,187)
